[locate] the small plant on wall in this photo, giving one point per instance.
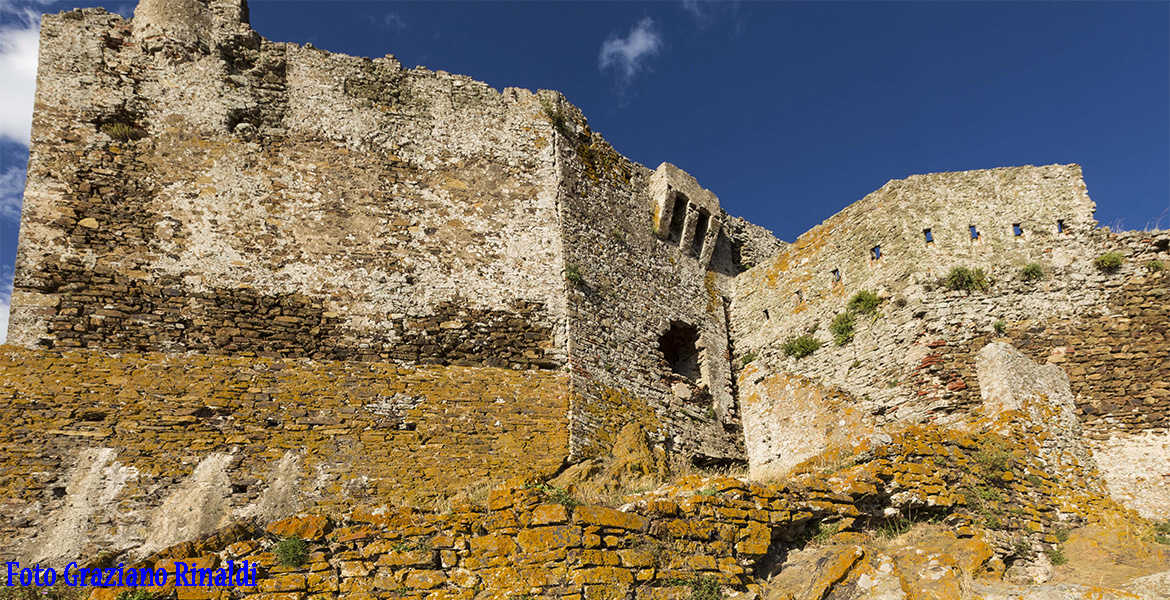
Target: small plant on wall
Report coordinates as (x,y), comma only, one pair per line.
(291,552)
(864,302)
(842,328)
(1109,262)
(557,118)
(122,132)
(800,346)
(573,274)
(1032,272)
(134,595)
(962,278)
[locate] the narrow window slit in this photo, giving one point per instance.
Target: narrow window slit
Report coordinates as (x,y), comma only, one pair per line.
(767,317)
(875,253)
(678,218)
(799,296)
(928,235)
(700,233)
(974,232)
(1060,226)
(1017,230)
(836,274)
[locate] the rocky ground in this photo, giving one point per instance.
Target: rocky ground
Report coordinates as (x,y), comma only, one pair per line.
(927,512)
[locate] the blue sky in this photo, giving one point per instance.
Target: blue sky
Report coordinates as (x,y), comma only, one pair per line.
(787,111)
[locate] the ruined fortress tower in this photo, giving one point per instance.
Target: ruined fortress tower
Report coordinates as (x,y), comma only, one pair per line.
(255,277)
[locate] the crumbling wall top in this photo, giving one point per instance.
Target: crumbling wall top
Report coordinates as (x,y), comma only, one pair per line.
(668,180)
(191,23)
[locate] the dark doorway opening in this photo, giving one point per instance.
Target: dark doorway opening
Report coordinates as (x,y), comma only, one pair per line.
(680,346)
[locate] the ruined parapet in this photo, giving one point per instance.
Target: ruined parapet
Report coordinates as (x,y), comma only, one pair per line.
(684,213)
(913,357)
(749,245)
(185,22)
(900,243)
(187,25)
(648,337)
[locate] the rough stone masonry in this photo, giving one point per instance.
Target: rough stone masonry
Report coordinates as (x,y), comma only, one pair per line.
(208,213)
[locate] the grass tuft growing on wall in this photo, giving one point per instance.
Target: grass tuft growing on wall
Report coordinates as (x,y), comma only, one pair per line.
(800,346)
(122,132)
(134,595)
(863,302)
(963,278)
(842,328)
(702,587)
(557,118)
(573,274)
(291,552)
(1109,262)
(59,591)
(1032,272)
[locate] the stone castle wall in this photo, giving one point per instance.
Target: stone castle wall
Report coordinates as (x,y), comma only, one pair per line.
(812,278)
(914,360)
(283,201)
(635,287)
(118,452)
(272,202)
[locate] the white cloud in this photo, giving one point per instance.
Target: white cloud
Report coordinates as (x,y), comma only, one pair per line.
(706,13)
(393,21)
(628,55)
(3,320)
(695,7)
(5,300)
(387,21)
(11,192)
(19,41)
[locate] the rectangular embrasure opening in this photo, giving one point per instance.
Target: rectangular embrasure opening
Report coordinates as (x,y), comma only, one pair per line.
(678,217)
(700,233)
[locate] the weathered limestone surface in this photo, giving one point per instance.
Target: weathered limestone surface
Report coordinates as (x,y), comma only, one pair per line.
(1010,381)
(789,419)
(275,200)
(257,278)
(915,358)
(145,451)
(1136,470)
(719,536)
